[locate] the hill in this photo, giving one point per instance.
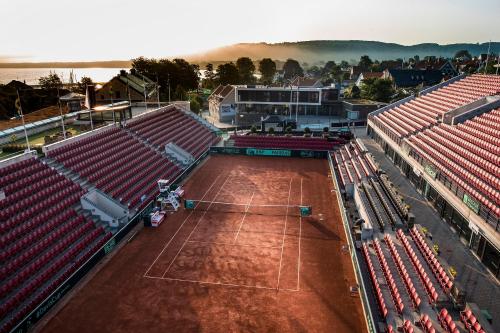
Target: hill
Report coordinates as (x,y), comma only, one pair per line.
(324,50)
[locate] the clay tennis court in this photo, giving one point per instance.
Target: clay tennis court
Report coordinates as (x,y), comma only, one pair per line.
(242,261)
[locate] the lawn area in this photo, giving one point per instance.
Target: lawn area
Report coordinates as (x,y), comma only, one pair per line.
(38,139)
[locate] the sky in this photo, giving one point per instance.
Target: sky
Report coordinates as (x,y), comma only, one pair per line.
(58,30)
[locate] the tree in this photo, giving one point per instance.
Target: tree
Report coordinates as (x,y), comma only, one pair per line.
(51,81)
(271,131)
(227,74)
(180,93)
(377,89)
(246,70)
(209,80)
(292,68)
(169,74)
(314,71)
(365,63)
(462,54)
(82,85)
(352,92)
(194,106)
(267,68)
(344,65)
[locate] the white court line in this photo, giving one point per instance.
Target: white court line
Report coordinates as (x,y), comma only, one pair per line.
(182,224)
(232,244)
(284,234)
(300,236)
(217,283)
(196,226)
(244,216)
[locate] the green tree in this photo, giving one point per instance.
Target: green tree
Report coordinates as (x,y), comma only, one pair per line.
(180,93)
(246,70)
(365,63)
(82,85)
(314,71)
(267,68)
(352,92)
(170,73)
(462,54)
(344,65)
(51,81)
(377,89)
(209,81)
(194,106)
(227,74)
(292,68)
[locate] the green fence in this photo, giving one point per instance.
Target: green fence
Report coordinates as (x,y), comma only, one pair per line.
(370,324)
(269,152)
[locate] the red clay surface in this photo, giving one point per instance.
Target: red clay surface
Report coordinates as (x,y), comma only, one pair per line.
(217,271)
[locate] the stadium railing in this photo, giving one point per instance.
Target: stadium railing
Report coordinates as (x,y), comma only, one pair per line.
(370,323)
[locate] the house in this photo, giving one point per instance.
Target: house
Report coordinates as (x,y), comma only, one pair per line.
(127,86)
(354,72)
(303,82)
(407,78)
(221,103)
(441,64)
(390,64)
(368,75)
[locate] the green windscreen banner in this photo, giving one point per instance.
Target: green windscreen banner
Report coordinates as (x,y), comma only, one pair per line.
(471,203)
(268,152)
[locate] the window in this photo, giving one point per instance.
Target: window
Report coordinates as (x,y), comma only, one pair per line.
(117,94)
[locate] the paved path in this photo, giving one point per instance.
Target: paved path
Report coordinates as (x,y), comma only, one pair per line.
(481,287)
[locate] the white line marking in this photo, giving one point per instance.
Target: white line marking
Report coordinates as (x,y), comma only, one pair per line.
(300,236)
(245,204)
(232,244)
(216,283)
(284,234)
(182,224)
(196,226)
(244,216)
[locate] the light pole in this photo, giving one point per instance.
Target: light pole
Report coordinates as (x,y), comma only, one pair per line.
(60,112)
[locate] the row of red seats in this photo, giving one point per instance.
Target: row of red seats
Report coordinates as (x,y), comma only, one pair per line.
(41,261)
(31,252)
(483,168)
(432,261)
(91,147)
(25,182)
(42,212)
(470,321)
(492,135)
(21,165)
(45,291)
(461,166)
(410,288)
(417,265)
(376,286)
(426,324)
(22,237)
(447,322)
(15,231)
(20,173)
(464,143)
(398,302)
(80,145)
(407,327)
(451,170)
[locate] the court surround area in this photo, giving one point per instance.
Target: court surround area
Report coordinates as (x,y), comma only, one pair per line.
(242,260)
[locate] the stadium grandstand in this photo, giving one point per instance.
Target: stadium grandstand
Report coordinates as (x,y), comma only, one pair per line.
(446,141)
(46,235)
(65,210)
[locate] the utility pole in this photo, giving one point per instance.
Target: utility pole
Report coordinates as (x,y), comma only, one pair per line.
(60,112)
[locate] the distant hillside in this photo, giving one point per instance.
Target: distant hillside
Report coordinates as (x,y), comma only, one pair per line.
(316,51)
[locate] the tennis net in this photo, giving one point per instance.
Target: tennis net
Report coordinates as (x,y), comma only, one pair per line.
(225,207)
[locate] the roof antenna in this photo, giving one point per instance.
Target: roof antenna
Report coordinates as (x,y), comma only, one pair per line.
(487,58)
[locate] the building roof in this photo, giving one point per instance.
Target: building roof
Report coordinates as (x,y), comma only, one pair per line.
(438,63)
(135,82)
(372,75)
(306,82)
(415,77)
(72,96)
